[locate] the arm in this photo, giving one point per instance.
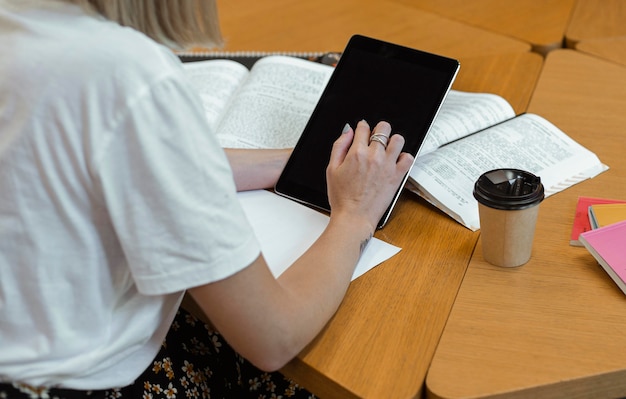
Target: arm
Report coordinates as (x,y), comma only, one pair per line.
(268,320)
(256,169)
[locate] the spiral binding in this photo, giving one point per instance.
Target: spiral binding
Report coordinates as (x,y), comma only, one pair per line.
(248,58)
(250,54)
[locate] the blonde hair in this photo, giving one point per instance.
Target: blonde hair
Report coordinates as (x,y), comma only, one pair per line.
(179,24)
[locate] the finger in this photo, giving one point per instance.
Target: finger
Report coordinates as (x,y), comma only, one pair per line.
(383,128)
(396,143)
(404,163)
(404,160)
(362,133)
(380,134)
(341,146)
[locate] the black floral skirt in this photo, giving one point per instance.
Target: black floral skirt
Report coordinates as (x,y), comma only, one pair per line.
(194,362)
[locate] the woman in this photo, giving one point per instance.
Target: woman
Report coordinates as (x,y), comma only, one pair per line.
(115,199)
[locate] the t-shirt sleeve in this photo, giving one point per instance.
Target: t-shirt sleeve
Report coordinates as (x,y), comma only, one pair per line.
(170,194)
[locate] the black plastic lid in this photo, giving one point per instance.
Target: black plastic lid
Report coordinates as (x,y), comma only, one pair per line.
(508,189)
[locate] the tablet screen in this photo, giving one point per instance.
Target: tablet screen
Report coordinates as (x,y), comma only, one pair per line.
(373,80)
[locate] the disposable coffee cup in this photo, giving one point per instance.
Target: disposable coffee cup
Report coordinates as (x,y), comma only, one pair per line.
(508,204)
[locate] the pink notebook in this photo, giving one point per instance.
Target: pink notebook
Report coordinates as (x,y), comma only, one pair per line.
(608,245)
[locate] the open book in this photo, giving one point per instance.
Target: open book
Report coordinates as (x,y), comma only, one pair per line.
(475,133)
(269,105)
(264,107)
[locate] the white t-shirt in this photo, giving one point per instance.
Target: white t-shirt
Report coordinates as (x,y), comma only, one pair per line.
(114,198)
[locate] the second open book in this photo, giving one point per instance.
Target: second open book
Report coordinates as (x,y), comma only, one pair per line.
(269,105)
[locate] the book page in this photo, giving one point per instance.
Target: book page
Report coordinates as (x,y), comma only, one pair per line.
(446,177)
(465,113)
(272,108)
(216,81)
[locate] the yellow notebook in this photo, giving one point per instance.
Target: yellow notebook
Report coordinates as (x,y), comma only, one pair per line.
(601,215)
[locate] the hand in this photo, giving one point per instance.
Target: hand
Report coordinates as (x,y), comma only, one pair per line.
(363,175)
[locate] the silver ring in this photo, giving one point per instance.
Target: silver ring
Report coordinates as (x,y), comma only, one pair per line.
(381,138)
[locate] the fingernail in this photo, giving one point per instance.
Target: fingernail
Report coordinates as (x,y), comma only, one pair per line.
(346,128)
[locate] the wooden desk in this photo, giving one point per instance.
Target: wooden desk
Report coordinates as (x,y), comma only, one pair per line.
(381,341)
(512,76)
(326,25)
(593,19)
(553,328)
(612,48)
(541,23)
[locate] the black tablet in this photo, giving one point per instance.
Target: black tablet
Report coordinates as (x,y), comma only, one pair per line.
(373,80)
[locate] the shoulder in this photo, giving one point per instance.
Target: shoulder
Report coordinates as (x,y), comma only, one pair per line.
(108,67)
(88,48)
(125,57)
(61,49)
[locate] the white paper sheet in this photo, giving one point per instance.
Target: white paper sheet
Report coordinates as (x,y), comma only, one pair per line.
(286,229)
